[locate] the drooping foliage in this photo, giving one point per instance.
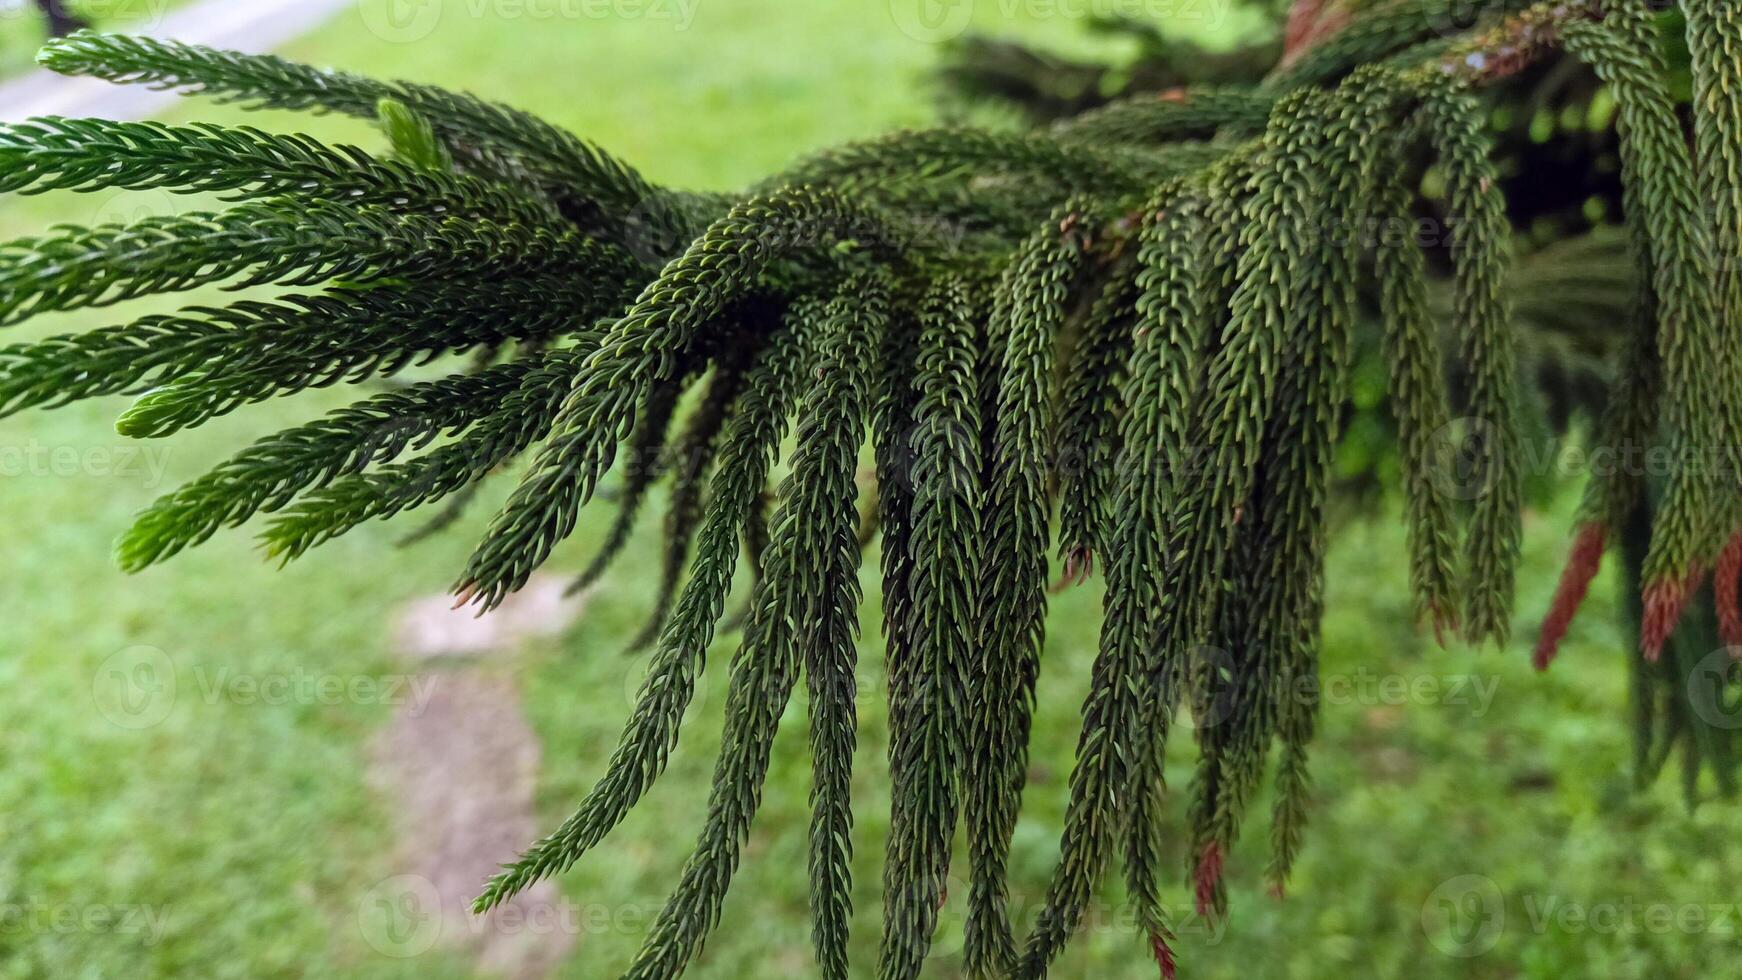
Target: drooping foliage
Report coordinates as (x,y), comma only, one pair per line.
(1126,341)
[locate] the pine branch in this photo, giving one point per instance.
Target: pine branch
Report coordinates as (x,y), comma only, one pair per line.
(1480,241)
(1088,423)
(285,243)
(349,336)
(939,153)
(295,342)
(496,139)
(929,712)
(691,455)
(268,476)
(1031,308)
(1168,116)
(1163,380)
(645,448)
(1240,393)
(812,555)
(53,153)
(1416,392)
(723,264)
(524,416)
(1301,445)
(1714,34)
(758,424)
(829,628)
(1622,51)
(1180,398)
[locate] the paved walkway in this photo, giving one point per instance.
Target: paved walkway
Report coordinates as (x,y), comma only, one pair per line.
(244,25)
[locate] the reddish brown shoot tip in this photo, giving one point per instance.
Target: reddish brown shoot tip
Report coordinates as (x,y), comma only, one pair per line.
(1309,22)
(1582,566)
(1208,877)
(1302,15)
(1163,956)
(1664,601)
(1727,593)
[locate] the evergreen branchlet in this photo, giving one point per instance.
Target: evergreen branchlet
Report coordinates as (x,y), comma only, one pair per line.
(1132,330)
(928,717)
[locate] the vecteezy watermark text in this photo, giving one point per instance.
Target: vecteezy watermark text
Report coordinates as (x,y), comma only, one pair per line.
(937,21)
(1466,916)
(408,21)
(136,687)
(147,922)
(144,465)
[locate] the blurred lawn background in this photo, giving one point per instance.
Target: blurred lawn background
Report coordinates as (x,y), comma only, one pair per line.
(23,28)
(252,830)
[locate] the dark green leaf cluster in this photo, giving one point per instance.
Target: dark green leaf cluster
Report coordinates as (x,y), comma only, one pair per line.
(1129,339)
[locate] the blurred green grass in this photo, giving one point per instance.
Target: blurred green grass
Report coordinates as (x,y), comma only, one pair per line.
(251,830)
(23,28)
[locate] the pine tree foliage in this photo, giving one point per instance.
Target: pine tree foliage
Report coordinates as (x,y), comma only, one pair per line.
(1124,337)
(688,457)
(1011,608)
(930,695)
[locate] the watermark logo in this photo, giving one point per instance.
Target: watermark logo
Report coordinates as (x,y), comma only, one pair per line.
(401,916)
(135,688)
(932,21)
(1711,685)
(1215,701)
(131,207)
(1455,16)
(1464,916)
(1464,455)
(1216,671)
(400,21)
(653,231)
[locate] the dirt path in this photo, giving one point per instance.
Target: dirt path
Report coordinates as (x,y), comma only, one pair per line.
(459,772)
(244,25)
